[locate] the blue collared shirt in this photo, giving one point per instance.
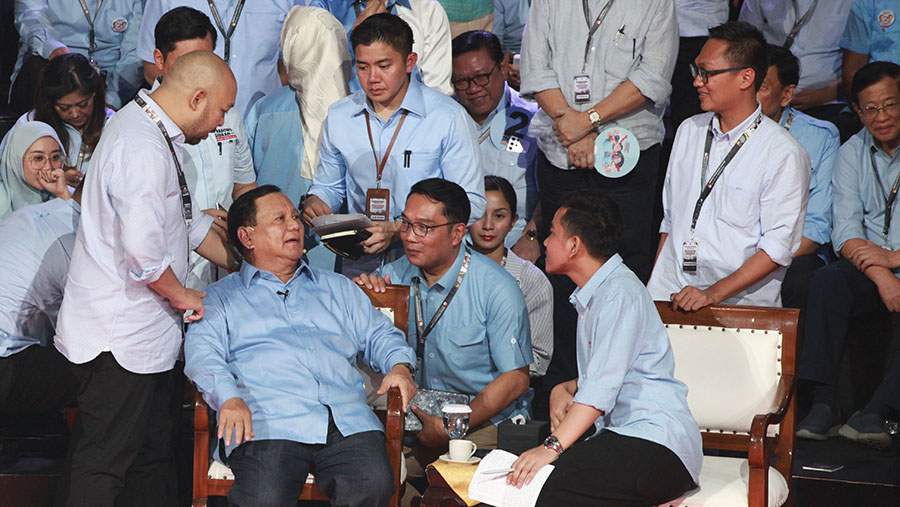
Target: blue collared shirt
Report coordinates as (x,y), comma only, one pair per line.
(34,262)
(437,141)
(858,200)
(276,141)
(511,117)
(626,367)
(696,16)
(872,29)
(821,141)
(292,358)
(483,333)
(509,23)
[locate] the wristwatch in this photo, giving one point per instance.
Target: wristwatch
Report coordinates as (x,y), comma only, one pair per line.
(594,116)
(553,444)
(411,368)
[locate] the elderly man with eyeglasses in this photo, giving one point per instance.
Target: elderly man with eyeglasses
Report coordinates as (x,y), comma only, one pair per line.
(866,177)
(736,189)
(470,324)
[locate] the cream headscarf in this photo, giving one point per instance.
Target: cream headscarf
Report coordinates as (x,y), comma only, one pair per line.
(15,192)
(318,62)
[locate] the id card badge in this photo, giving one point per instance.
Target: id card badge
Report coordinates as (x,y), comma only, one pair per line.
(689,256)
(378,204)
(582,89)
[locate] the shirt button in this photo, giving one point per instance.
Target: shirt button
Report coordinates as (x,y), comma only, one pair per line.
(513,341)
(584,376)
(431,355)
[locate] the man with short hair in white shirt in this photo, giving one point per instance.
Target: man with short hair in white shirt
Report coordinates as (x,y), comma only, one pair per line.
(122,312)
(219,168)
(734,204)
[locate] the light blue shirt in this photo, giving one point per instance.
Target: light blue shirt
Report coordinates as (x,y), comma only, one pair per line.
(255,44)
(438,135)
(858,200)
(867,32)
(509,23)
(511,118)
(34,262)
(483,333)
(47,25)
(695,17)
(276,141)
(292,358)
(626,367)
(821,141)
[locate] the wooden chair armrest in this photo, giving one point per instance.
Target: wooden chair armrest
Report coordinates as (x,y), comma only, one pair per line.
(758,451)
(201,450)
(393,437)
(201,414)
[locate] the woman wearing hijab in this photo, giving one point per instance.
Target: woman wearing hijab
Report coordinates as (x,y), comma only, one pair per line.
(31,167)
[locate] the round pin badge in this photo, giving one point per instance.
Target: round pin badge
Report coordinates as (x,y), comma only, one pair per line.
(119,25)
(616,152)
(886,18)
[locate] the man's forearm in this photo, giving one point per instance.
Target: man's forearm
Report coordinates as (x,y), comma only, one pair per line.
(807,246)
(497,395)
(168,285)
(552,102)
(623,100)
(215,250)
(754,269)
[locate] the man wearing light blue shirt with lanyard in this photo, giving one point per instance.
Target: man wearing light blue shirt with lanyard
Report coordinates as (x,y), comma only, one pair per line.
(378,142)
(821,141)
(866,179)
(311,415)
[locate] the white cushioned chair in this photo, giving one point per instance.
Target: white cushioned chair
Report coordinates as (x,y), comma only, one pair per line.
(738,364)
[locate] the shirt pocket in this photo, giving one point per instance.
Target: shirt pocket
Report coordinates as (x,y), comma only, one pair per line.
(738,207)
(467,347)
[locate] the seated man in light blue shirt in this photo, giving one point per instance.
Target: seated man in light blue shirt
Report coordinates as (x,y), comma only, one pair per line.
(821,141)
(480,344)
(409,130)
(275,356)
(646,448)
(34,262)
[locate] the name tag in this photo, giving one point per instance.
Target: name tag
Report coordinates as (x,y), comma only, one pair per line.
(582,89)
(225,134)
(689,251)
(378,204)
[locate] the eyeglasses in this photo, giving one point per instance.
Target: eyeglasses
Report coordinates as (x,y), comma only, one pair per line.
(40,160)
(869,112)
(705,74)
(463,83)
(418,228)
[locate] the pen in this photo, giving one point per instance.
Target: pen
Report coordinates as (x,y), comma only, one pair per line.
(619,33)
(220,147)
(499,471)
(406,155)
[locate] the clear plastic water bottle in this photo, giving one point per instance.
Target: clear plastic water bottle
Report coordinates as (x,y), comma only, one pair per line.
(456,420)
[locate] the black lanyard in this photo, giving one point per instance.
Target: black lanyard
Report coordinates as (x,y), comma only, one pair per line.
(182,182)
(592,27)
(87,15)
(234,21)
(422,332)
(790,119)
(888,199)
(798,24)
(707,188)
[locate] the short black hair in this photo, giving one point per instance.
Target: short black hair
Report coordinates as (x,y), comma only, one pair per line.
(476,40)
(243,213)
(870,74)
(386,28)
(502,185)
(452,196)
(746,47)
(786,65)
(181,23)
(595,218)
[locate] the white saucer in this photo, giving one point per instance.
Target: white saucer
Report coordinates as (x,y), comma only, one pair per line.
(472,460)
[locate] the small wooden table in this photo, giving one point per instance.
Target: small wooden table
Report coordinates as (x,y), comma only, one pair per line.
(439,493)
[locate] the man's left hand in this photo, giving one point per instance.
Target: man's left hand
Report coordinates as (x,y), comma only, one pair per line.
(433,433)
(581,152)
(571,126)
(528,464)
(527,249)
(691,299)
(870,254)
(383,234)
(399,376)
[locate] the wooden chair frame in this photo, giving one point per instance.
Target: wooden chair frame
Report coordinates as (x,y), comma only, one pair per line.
(397,298)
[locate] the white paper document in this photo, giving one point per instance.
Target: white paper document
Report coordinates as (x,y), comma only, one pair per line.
(491,488)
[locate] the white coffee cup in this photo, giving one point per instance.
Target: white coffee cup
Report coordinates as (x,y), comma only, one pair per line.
(462,450)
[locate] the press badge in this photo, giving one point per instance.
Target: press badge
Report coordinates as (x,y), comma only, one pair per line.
(582,89)
(689,256)
(378,204)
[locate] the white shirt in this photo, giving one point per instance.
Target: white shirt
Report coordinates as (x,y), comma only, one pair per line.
(211,169)
(759,203)
(131,230)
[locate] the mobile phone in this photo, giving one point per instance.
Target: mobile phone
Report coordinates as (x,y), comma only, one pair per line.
(517,60)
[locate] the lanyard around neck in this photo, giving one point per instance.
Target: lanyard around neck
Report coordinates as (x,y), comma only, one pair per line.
(707,188)
(182,182)
(592,27)
(234,21)
(799,23)
(379,165)
(790,119)
(422,331)
(92,46)
(888,198)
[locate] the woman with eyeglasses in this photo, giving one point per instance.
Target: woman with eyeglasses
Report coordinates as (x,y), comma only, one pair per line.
(71,98)
(31,168)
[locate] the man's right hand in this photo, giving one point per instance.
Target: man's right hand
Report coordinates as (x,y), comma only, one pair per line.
(372,282)
(189,300)
(234,418)
(373,7)
(561,399)
(314,207)
(64,50)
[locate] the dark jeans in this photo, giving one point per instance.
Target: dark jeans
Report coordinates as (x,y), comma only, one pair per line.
(35,381)
(120,452)
(795,287)
(615,470)
(352,471)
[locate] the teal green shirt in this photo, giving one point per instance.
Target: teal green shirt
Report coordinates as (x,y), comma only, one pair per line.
(460,11)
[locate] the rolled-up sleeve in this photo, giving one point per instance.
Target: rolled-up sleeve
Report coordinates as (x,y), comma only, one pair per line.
(508,328)
(783,206)
(653,73)
(461,162)
(848,205)
(536,70)
(206,354)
